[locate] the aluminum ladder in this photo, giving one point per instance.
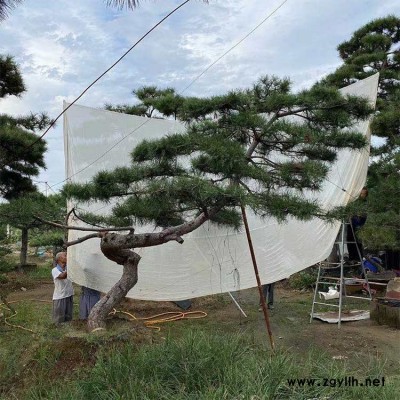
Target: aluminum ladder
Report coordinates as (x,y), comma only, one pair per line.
(339,282)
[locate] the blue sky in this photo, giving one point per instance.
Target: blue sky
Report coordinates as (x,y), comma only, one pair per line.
(62,46)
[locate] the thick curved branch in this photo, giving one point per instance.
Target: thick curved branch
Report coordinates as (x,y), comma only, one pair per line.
(82,239)
(112,241)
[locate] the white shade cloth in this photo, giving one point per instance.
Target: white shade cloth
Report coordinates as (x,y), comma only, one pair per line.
(211,260)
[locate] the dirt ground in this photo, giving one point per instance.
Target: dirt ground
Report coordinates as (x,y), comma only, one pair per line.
(290,323)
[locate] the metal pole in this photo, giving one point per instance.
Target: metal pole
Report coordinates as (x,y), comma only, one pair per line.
(253,257)
(342,283)
(237,305)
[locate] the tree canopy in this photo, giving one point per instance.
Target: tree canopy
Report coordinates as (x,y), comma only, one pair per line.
(375,47)
(21,151)
(240,148)
(261,147)
(11,82)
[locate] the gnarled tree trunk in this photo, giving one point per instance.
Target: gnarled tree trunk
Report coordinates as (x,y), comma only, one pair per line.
(130,260)
(118,248)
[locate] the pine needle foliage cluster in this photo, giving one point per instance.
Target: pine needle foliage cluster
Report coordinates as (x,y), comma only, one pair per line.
(261,147)
(11,82)
(382,229)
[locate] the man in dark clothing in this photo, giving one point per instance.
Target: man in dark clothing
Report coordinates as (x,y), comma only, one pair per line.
(268,293)
(89,297)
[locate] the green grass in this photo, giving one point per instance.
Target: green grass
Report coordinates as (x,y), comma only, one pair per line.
(196,365)
(41,272)
(199,365)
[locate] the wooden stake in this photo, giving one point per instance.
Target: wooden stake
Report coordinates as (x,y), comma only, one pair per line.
(253,257)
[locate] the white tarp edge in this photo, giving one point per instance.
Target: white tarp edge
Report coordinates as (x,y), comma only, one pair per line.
(211,260)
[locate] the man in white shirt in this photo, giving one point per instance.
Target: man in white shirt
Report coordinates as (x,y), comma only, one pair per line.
(63,291)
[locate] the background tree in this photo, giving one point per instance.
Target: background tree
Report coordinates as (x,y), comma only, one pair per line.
(11,82)
(382,229)
(48,237)
(376,48)
(21,153)
(21,213)
(238,150)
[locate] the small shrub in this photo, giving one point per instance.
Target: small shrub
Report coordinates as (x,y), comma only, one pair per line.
(304,280)
(6,265)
